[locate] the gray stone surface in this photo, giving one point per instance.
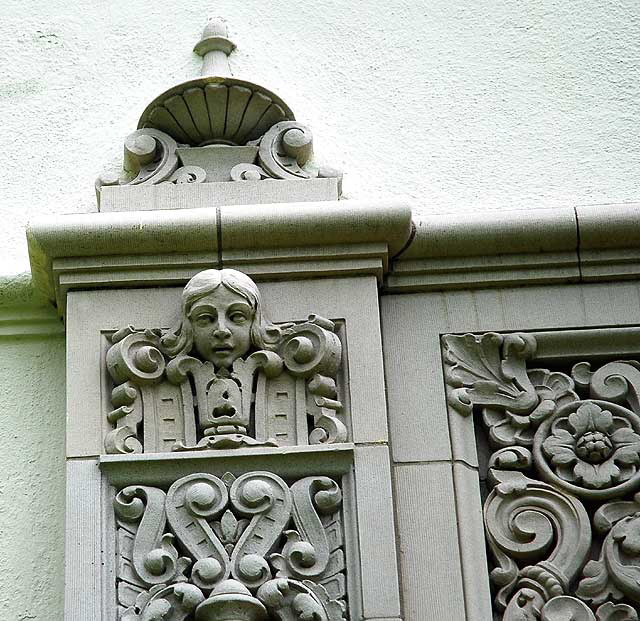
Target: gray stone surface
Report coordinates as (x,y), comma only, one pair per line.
(429,555)
(84,562)
(164,247)
(215,194)
(376,532)
(473,559)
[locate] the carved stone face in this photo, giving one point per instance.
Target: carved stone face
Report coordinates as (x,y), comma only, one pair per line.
(221,323)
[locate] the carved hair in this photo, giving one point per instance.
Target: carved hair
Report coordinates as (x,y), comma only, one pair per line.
(264,334)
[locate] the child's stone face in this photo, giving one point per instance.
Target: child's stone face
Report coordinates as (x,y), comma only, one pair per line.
(221,323)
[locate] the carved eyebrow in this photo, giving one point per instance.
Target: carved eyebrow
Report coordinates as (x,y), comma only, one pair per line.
(240,306)
(202,308)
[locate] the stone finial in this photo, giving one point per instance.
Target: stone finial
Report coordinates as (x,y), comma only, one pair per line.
(215,47)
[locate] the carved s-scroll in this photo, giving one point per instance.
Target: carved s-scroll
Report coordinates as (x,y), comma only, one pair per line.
(308,550)
(191,503)
(141,510)
(535,524)
(266,498)
(312,350)
(616,381)
(133,360)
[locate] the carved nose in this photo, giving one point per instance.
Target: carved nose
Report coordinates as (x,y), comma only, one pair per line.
(222,332)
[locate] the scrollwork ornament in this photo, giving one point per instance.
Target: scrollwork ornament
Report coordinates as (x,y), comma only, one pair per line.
(618,382)
(188,174)
(537,524)
(135,356)
(175,602)
(292,600)
(149,158)
(248,172)
(266,498)
(307,552)
(192,502)
(285,149)
(155,559)
(311,348)
(616,574)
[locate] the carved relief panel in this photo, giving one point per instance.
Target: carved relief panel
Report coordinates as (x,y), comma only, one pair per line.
(254,546)
(224,376)
(562,443)
(227,539)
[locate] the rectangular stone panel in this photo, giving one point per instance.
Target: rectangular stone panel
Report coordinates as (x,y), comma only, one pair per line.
(376,532)
(431,578)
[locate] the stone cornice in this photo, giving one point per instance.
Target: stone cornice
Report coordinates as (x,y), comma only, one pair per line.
(23,312)
(337,238)
(520,247)
(151,248)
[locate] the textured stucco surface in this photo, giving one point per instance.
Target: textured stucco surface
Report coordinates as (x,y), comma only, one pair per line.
(32,414)
(459,105)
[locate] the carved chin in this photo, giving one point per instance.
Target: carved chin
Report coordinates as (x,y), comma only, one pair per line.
(223,359)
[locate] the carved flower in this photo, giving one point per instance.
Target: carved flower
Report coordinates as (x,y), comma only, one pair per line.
(593,448)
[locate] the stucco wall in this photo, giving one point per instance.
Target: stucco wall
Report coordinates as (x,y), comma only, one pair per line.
(32,493)
(460,105)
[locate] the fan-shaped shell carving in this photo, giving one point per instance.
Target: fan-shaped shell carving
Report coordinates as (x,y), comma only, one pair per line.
(215,110)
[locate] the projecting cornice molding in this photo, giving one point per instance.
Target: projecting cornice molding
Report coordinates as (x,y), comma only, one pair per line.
(520,247)
(337,238)
(166,247)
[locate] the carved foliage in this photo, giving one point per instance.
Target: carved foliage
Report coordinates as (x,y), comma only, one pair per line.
(580,434)
(255,540)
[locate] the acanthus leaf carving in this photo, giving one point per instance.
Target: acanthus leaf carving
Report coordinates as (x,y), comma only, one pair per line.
(582,438)
(489,371)
(616,574)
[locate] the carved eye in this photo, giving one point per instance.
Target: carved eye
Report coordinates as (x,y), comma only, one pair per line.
(238,317)
(204,320)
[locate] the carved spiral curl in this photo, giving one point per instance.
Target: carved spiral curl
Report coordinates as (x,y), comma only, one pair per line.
(188,174)
(310,350)
(616,381)
(149,157)
(247,172)
(136,357)
(122,440)
(284,149)
(205,499)
(307,551)
(192,502)
(129,504)
(532,522)
(154,557)
(252,570)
